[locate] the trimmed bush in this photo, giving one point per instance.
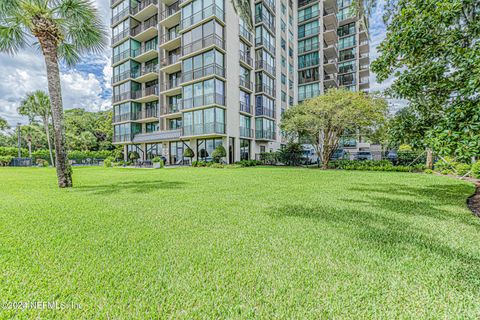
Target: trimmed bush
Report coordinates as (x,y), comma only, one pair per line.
(219,153)
(5,160)
(462,169)
(41,163)
(476,170)
(108,162)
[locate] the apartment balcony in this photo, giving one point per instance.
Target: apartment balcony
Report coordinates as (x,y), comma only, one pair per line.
(246,132)
(246,60)
(265,135)
(171,64)
(246,84)
(264,65)
(310,48)
(147,95)
(121,36)
(330,81)
(147,73)
(126,117)
(308,16)
(124,76)
(245,107)
(259,42)
(157,136)
(330,34)
(122,138)
(330,18)
(309,33)
(114,2)
(265,112)
(145,9)
(364,70)
(364,46)
(364,58)
(364,83)
(202,101)
(120,16)
(171,109)
(245,35)
(171,87)
(210,129)
(263,19)
(203,43)
(170,41)
(303,3)
(122,56)
(270,4)
(123,97)
(263,88)
(148,115)
(330,50)
(206,71)
(210,11)
(145,53)
(146,30)
(171,16)
(330,65)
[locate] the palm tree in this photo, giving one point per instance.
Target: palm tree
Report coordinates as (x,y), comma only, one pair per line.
(3,124)
(37,104)
(64,29)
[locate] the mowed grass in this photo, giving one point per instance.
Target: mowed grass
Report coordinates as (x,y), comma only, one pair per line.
(264,243)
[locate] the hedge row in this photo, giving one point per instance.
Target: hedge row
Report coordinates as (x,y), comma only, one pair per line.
(45,155)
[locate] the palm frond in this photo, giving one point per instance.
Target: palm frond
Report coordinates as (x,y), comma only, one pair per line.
(13,37)
(68,53)
(8,8)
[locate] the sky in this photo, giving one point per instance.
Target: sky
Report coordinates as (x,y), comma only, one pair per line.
(87,85)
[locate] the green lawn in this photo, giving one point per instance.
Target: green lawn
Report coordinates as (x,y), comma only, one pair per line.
(238,243)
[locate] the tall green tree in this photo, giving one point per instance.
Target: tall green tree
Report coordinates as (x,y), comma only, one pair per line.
(432,48)
(3,124)
(37,105)
(323,120)
(64,30)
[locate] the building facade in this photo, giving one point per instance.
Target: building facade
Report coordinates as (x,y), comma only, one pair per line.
(191,74)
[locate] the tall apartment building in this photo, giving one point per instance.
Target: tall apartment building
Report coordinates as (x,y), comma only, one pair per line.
(191,74)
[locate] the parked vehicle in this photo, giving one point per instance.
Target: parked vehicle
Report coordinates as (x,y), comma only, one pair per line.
(392,156)
(364,155)
(338,154)
(309,154)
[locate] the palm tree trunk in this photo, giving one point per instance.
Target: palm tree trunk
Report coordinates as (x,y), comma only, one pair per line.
(64,174)
(47,132)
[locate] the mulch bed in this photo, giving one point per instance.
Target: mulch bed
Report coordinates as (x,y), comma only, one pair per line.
(474,201)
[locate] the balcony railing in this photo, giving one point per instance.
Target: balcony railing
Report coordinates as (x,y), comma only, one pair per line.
(150,23)
(169,36)
(125,33)
(209,70)
(245,107)
(171,10)
(170,84)
(172,108)
(205,100)
(149,69)
(121,15)
(130,116)
(260,41)
(262,87)
(270,4)
(122,138)
(263,18)
(204,128)
(262,64)
(309,15)
(313,47)
(150,113)
(172,59)
(262,111)
(245,34)
(246,132)
(122,56)
(143,49)
(211,10)
(207,41)
(245,58)
(142,5)
(246,83)
(309,32)
(123,96)
(265,135)
(150,91)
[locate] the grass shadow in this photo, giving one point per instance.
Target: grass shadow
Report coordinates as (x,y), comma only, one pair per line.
(130,186)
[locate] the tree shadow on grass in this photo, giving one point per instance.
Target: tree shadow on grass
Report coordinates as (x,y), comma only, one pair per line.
(392,236)
(130,187)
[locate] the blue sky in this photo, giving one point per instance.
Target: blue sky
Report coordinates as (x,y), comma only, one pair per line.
(87,85)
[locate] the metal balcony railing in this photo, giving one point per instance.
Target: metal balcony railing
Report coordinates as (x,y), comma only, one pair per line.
(207,41)
(246,83)
(211,10)
(262,64)
(245,107)
(247,35)
(171,10)
(260,41)
(147,24)
(265,135)
(262,111)
(142,5)
(172,108)
(211,69)
(171,84)
(169,36)
(204,128)
(245,58)
(246,132)
(120,16)
(122,138)
(263,18)
(172,59)
(205,100)
(262,87)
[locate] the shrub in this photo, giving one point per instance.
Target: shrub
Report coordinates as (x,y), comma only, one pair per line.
(476,170)
(5,160)
(132,156)
(292,154)
(404,147)
(108,162)
(11,151)
(269,158)
(406,158)
(428,171)
(445,164)
(462,169)
(42,163)
(219,153)
(248,163)
(158,160)
(188,153)
(199,164)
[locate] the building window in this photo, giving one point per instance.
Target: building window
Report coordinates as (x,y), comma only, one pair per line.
(205,148)
(244,149)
